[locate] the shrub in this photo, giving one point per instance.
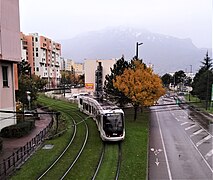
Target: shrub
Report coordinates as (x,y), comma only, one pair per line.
(18,130)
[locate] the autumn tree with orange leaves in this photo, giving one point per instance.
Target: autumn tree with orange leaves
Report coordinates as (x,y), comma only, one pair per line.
(140,84)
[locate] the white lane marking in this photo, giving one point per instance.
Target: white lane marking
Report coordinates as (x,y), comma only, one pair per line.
(201,127)
(210,153)
(190,127)
(177,118)
(197,148)
(203,140)
(197,132)
(164,149)
(200,154)
(184,123)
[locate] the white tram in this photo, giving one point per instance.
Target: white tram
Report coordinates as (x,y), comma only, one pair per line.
(109,118)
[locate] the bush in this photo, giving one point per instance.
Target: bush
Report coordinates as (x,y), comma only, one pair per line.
(18,130)
(1,143)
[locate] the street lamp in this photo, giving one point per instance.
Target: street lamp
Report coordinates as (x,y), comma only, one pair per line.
(28,98)
(137,44)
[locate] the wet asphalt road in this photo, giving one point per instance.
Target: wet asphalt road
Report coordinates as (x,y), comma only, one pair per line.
(179,148)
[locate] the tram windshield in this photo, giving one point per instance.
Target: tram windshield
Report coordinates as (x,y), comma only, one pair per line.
(113,123)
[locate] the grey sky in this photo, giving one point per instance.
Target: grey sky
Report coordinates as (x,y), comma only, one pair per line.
(63,19)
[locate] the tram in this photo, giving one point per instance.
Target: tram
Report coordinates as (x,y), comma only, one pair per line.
(108,117)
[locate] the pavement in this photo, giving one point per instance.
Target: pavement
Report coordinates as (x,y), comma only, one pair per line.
(10,145)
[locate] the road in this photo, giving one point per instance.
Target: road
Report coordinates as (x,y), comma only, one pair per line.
(179,148)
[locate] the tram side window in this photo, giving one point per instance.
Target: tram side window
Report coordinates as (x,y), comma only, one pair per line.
(89,109)
(81,101)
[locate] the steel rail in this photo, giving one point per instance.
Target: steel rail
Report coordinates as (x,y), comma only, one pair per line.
(119,161)
(80,152)
(100,162)
(61,155)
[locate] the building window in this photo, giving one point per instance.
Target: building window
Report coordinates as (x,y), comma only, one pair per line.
(5,76)
(37,68)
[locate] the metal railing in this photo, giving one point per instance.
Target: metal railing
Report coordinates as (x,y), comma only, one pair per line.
(13,162)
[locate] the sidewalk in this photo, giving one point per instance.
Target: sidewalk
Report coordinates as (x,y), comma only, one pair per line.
(10,145)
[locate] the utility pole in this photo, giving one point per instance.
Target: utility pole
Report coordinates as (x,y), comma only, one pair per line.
(137,44)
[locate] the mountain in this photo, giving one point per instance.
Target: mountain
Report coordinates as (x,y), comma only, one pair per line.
(166,53)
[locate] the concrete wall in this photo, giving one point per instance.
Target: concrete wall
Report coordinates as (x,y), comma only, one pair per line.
(10,30)
(10,54)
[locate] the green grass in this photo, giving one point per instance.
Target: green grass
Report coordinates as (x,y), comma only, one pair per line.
(109,166)
(199,104)
(134,153)
(134,148)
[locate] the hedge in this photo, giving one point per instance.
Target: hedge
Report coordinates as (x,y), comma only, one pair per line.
(18,130)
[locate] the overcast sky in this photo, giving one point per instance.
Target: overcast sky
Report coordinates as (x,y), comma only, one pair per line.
(63,19)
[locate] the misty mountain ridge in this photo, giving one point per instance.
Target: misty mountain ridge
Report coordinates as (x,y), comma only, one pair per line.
(166,53)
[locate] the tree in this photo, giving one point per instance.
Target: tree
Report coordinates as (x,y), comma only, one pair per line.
(207,63)
(167,79)
(111,92)
(179,77)
(203,80)
(24,68)
(39,82)
(139,84)
(28,82)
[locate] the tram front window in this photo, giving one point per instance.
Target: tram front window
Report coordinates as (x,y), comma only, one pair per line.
(113,124)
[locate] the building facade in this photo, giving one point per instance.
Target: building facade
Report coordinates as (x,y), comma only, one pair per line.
(44,57)
(90,67)
(10,55)
(78,68)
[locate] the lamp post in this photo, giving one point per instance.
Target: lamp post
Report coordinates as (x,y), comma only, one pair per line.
(137,44)
(28,98)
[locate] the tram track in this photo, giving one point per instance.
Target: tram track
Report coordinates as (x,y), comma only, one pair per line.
(64,151)
(81,150)
(103,160)
(67,157)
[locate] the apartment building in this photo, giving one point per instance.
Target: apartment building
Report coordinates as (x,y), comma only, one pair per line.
(44,57)
(79,68)
(10,55)
(72,65)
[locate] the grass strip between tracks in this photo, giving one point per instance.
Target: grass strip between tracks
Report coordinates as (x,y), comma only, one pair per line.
(109,165)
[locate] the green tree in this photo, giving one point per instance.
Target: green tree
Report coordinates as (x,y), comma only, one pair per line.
(140,84)
(207,63)
(166,79)
(28,83)
(111,92)
(24,68)
(179,77)
(203,80)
